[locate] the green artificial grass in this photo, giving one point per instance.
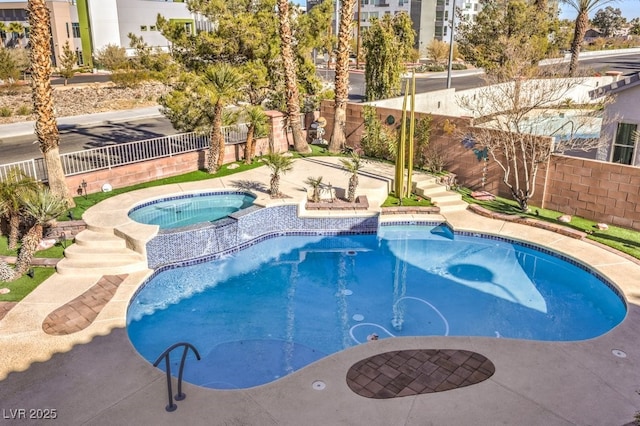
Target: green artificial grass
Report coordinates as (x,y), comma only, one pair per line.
(25,284)
(55,252)
(622,239)
(413,201)
(83,203)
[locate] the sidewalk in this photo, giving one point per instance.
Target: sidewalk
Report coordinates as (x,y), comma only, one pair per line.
(86,120)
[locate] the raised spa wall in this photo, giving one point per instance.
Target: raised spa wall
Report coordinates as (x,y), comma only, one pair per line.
(246,227)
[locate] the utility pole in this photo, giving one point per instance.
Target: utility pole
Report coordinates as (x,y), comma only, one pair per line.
(358,35)
(453,19)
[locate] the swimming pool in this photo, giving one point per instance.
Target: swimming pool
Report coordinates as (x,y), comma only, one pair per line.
(286,302)
(190,209)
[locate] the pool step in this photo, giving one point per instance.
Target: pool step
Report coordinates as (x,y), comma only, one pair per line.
(92,238)
(446,200)
(100,253)
(101,266)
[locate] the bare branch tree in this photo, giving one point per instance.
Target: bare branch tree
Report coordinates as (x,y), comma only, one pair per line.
(522,122)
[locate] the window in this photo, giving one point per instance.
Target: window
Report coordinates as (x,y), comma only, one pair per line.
(143,28)
(68,33)
(153,28)
(75,28)
(624,143)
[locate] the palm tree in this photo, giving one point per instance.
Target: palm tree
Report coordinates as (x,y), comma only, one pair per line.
(583,7)
(16,29)
(3,33)
(338,136)
(256,120)
(352,165)
(42,207)
(12,189)
(223,84)
(315,183)
(292,94)
(278,164)
(46,124)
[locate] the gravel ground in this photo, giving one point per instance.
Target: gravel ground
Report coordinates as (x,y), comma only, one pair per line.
(80,99)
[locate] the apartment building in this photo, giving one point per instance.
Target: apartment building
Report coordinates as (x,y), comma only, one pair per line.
(90,25)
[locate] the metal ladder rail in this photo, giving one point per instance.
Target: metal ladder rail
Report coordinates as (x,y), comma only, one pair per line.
(166,355)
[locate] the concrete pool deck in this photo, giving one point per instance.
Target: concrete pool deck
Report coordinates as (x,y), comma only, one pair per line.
(94,376)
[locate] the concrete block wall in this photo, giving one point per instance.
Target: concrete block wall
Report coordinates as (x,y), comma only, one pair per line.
(132,174)
(597,190)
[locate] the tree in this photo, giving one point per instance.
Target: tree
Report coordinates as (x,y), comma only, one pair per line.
(438,51)
(583,7)
(256,121)
(222,86)
(46,125)
(290,80)
(3,33)
(12,190)
(338,136)
(503,23)
(609,20)
(17,31)
(352,165)
(9,71)
(635,26)
(112,57)
(278,164)
(68,61)
(42,207)
(510,113)
(388,43)
(315,183)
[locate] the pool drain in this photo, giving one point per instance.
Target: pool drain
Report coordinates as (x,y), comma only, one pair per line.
(619,353)
(351,253)
(318,385)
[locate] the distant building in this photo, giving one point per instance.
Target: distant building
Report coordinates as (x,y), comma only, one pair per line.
(90,25)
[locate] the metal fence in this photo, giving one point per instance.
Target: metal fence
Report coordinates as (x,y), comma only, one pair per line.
(126,153)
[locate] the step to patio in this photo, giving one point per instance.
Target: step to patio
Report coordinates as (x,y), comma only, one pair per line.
(76,251)
(89,238)
(126,264)
(427,188)
(451,206)
(443,196)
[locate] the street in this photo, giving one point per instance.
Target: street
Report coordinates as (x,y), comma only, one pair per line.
(75,139)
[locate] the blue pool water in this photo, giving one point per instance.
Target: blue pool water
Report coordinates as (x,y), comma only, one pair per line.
(286,302)
(185,210)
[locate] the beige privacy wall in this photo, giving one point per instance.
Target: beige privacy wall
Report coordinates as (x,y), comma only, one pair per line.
(596,190)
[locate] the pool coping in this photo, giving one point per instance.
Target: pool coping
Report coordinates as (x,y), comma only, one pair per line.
(542,382)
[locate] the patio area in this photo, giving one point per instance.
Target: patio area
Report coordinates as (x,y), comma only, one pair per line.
(92,375)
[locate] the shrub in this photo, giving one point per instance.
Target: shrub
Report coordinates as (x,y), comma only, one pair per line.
(112,57)
(24,110)
(5,112)
(130,78)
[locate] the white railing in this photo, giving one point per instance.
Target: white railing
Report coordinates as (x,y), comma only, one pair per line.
(126,153)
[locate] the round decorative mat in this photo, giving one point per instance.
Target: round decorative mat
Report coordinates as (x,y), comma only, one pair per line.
(414,372)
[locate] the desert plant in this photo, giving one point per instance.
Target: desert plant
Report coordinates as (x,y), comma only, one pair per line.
(41,207)
(352,165)
(377,140)
(6,112)
(315,183)
(24,110)
(278,164)
(13,188)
